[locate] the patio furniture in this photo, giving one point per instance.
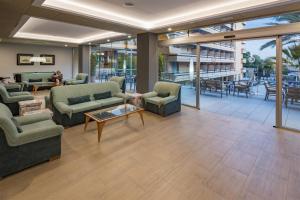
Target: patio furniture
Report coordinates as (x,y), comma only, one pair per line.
(164,100)
(270,90)
(80,78)
(27,140)
(11,99)
(105,115)
(293,93)
(213,86)
(242,87)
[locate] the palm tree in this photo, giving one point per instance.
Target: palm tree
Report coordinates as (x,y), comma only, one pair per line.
(284,19)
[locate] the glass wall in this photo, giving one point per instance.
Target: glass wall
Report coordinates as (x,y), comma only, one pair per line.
(118,58)
(291,81)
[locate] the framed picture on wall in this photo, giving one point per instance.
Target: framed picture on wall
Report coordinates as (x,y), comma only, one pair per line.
(50,59)
(24,59)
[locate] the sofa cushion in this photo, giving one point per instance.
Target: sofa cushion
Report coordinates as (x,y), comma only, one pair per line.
(110,101)
(163,94)
(17,124)
(103,95)
(82,107)
(160,101)
(35,80)
(78,100)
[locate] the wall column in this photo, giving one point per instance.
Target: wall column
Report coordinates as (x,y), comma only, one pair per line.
(147,62)
(84,59)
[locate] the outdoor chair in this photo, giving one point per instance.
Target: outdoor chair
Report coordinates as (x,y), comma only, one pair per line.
(270,90)
(242,87)
(293,93)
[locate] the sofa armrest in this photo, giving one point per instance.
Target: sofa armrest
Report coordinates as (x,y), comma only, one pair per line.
(39,134)
(15,99)
(122,95)
(30,119)
(25,83)
(149,95)
(63,108)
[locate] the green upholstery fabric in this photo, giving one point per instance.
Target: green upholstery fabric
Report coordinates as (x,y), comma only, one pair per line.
(161,101)
(32,132)
(149,95)
(36,75)
(118,79)
(110,101)
(12,86)
(165,87)
(29,119)
(61,94)
(79,79)
(14,96)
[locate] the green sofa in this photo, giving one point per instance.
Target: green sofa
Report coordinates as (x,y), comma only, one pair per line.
(44,77)
(11,99)
(37,140)
(80,78)
(69,115)
(165,99)
(121,81)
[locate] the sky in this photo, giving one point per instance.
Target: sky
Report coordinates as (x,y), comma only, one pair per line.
(253,46)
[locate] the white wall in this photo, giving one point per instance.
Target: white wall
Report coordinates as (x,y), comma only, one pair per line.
(8,59)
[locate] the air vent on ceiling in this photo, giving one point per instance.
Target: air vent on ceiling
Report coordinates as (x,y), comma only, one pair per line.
(128,4)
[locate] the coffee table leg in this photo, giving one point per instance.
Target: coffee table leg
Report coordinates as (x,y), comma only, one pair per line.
(142,117)
(100,128)
(87,119)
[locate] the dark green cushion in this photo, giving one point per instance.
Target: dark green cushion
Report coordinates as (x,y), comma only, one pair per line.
(77,100)
(103,95)
(163,94)
(35,80)
(17,124)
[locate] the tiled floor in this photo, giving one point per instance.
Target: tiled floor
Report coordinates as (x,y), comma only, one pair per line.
(254,108)
(189,155)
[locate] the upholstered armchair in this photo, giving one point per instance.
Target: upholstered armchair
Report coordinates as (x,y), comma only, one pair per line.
(12,87)
(121,81)
(11,99)
(80,78)
(27,140)
(165,99)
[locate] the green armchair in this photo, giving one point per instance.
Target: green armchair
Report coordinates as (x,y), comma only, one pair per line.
(27,140)
(11,99)
(165,99)
(120,80)
(80,78)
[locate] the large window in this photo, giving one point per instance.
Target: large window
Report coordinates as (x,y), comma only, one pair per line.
(117,58)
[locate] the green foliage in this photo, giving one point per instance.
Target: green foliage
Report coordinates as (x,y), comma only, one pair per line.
(161,63)
(93,63)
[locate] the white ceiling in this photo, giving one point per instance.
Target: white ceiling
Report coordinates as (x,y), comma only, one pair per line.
(150,14)
(42,29)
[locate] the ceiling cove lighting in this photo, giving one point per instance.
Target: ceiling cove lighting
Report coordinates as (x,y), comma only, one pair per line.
(66,39)
(189,15)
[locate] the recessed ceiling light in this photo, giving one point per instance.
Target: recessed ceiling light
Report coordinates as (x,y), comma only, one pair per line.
(129,36)
(66,45)
(108,40)
(90,43)
(128,4)
(169,29)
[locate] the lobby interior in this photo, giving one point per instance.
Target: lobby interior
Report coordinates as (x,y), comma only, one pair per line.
(137,99)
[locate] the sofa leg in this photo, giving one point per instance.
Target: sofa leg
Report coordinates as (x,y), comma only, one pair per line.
(54,158)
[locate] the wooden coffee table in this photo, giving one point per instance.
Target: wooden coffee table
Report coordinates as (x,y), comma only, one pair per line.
(104,115)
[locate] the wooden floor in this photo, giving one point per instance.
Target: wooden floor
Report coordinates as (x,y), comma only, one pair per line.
(192,155)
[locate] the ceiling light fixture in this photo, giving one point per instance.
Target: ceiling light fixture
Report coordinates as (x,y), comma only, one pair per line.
(169,29)
(66,45)
(90,43)
(108,40)
(129,36)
